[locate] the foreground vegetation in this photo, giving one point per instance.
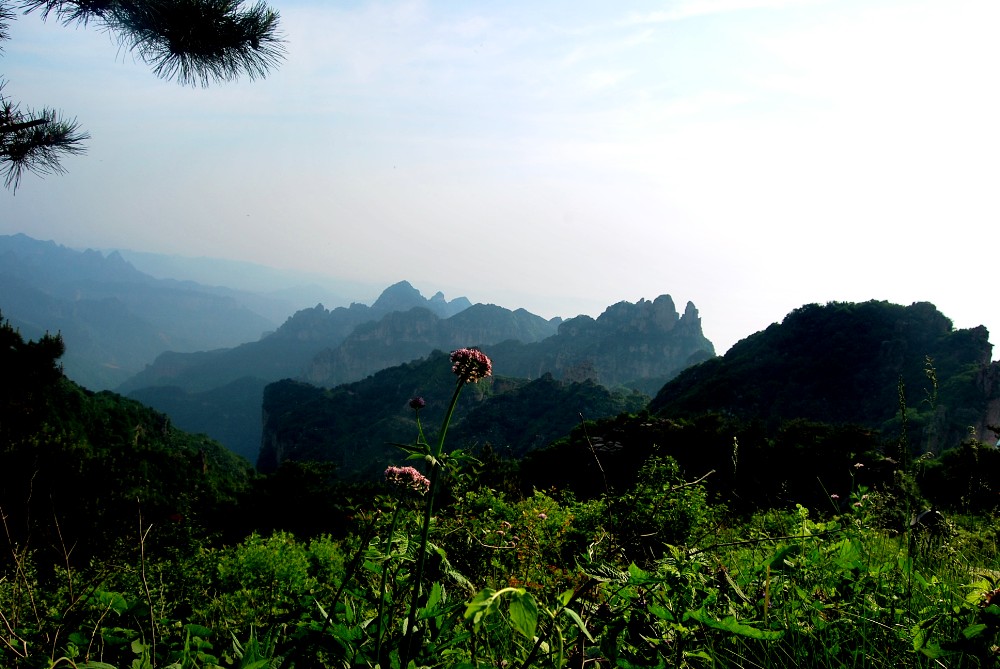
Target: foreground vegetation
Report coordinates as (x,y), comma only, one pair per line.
(455,563)
(650,579)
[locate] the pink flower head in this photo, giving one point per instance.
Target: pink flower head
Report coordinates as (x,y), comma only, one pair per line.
(407,478)
(470,364)
(417,403)
(834,496)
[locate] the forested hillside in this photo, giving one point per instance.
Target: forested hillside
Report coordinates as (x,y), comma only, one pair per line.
(637,539)
(356,425)
(80,469)
(853,363)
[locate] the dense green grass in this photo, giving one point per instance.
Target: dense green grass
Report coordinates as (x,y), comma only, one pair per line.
(535,581)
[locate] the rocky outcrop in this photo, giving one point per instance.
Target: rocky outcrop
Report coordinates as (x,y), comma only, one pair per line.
(403,297)
(404,336)
(287,351)
(639,345)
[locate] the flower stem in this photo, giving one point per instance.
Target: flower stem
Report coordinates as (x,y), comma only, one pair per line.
(434,460)
(381,589)
(447,418)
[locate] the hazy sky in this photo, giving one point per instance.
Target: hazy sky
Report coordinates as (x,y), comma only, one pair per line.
(749,156)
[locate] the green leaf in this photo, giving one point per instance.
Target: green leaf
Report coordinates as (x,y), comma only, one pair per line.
(418,450)
(733,626)
(976,591)
(662,613)
(524,613)
(579,623)
(933,650)
(700,654)
(197,630)
(975,630)
(479,606)
(113,601)
(636,573)
(322,611)
(605,573)
(777,561)
(432,600)
(256,664)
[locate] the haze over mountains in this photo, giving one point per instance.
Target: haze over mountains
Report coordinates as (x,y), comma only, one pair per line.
(204,354)
(633,346)
(113,318)
(328,382)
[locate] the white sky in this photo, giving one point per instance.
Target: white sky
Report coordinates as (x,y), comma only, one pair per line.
(561,156)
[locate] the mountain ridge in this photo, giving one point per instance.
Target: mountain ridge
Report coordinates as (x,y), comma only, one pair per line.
(113,317)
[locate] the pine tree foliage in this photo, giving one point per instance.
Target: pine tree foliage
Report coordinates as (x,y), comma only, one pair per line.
(194,42)
(34,141)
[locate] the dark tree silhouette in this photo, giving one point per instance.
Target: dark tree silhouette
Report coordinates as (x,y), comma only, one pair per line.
(195,42)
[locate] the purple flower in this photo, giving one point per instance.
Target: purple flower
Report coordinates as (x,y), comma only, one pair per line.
(417,403)
(407,478)
(470,364)
(834,496)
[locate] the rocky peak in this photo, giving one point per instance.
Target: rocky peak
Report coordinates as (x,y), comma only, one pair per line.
(660,315)
(398,297)
(402,297)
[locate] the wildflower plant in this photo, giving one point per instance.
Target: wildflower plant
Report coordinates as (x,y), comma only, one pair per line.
(469,365)
(406,480)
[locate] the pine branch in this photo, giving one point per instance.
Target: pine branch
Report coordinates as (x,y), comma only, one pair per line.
(72,11)
(196,42)
(6,16)
(200,41)
(35,142)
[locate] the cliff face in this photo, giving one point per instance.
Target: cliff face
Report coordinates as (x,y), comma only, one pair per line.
(989,383)
(639,345)
(403,336)
(286,352)
(403,297)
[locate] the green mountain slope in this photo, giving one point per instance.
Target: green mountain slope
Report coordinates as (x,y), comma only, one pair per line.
(355,425)
(79,470)
(845,363)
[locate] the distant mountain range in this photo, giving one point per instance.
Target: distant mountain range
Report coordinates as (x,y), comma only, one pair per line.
(333,384)
(636,347)
(113,318)
(830,386)
(204,353)
(288,351)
